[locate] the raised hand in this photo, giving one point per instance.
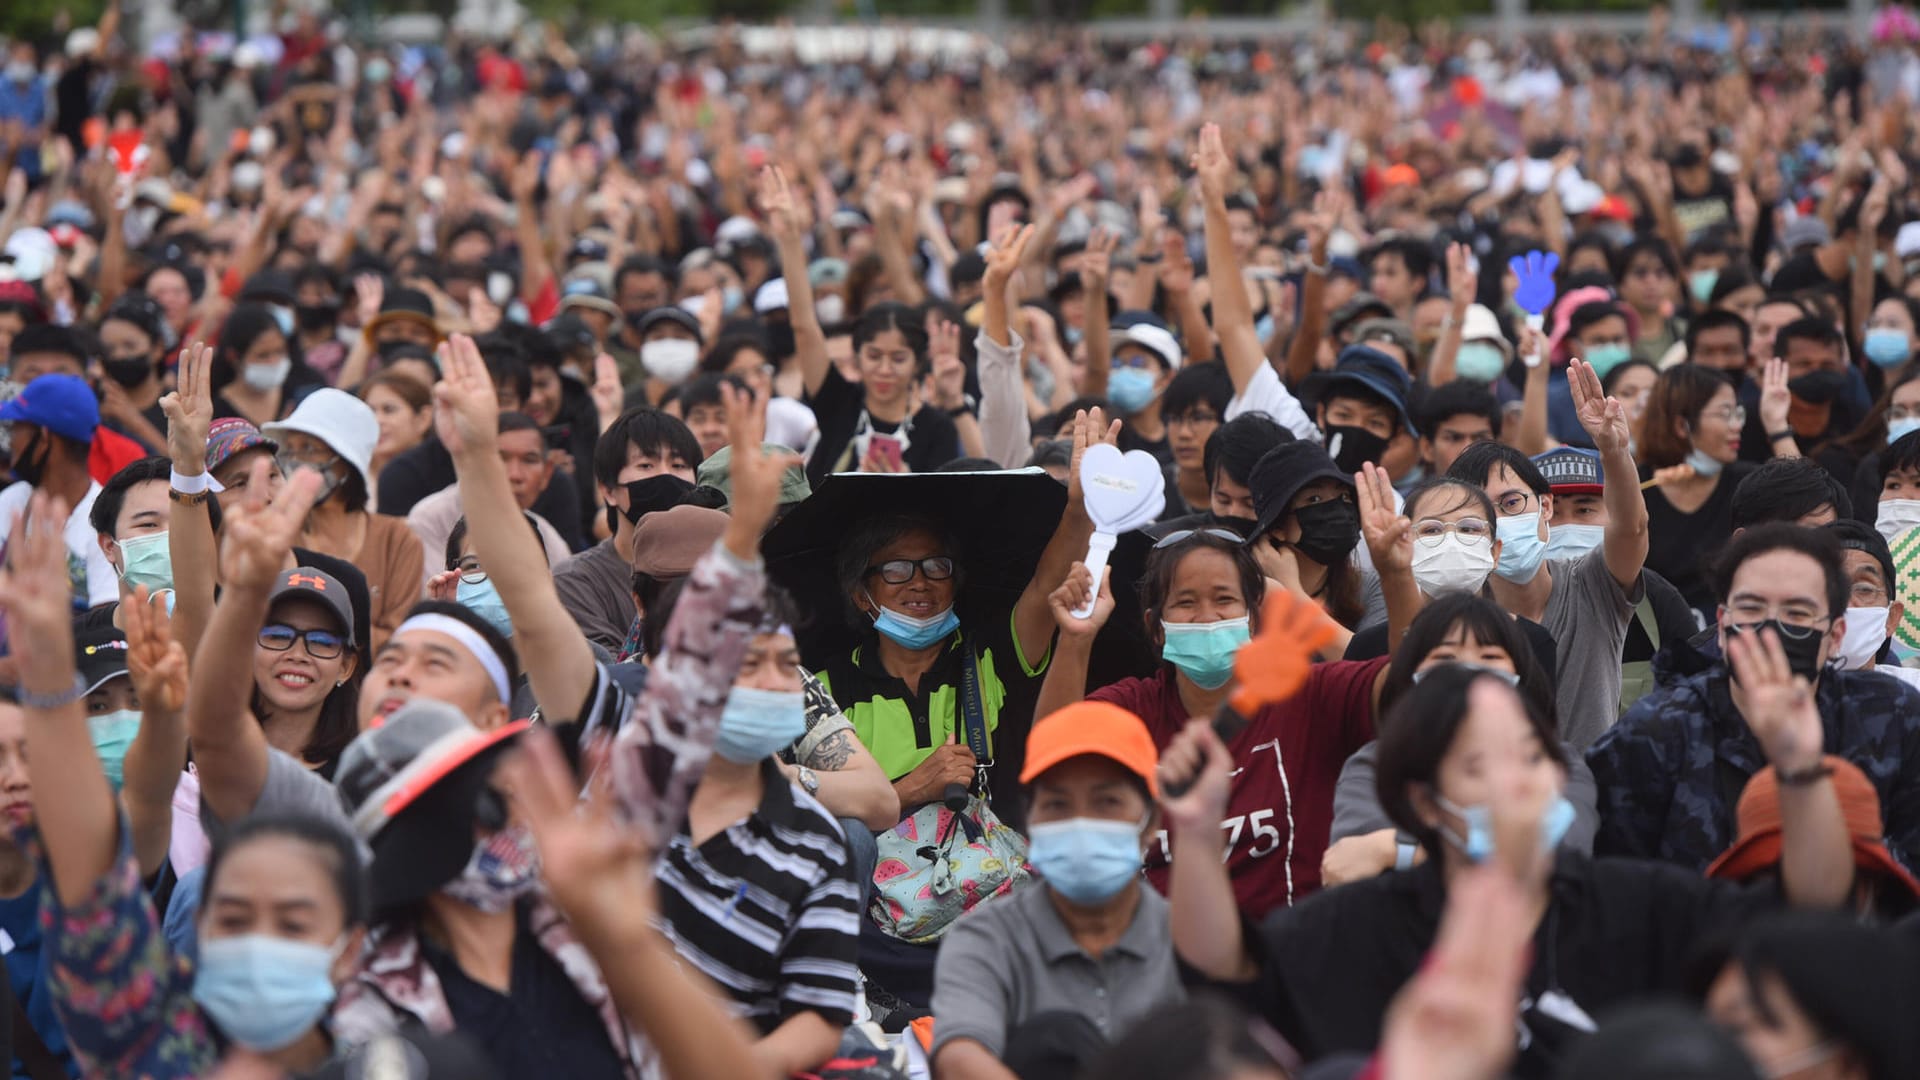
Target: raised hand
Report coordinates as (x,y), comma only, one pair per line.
(156,663)
(255,537)
(1275,663)
(1089,428)
(189,410)
(1004,256)
(1775,398)
(35,590)
(1176,267)
(949,374)
(1072,595)
(1152,218)
(1389,534)
(1212,164)
(444,585)
(782,209)
(1463,281)
(1196,758)
(1096,262)
(369,292)
(1535,270)
(466,408)
(756,473)
(598,871)
(1778,704)
(1329,206)
(1603,417)
(609,397)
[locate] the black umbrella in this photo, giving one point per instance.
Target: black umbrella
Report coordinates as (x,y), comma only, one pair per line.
(1001,521)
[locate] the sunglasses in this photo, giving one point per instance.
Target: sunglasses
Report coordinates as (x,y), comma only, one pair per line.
(321,644)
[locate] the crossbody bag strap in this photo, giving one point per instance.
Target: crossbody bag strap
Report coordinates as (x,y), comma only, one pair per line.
(973,718)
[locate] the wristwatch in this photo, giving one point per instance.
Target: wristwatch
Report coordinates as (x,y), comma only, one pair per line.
(809,781)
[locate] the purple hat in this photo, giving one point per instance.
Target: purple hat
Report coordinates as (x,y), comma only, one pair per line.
(229,436)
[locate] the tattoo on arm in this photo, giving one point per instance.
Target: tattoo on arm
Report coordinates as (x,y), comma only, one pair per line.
(833,753)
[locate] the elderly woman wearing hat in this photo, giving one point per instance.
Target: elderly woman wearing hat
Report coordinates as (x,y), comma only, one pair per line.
(390,317)
(334,433)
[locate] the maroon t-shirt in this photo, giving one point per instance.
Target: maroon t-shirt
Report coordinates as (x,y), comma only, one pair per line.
(1280,810)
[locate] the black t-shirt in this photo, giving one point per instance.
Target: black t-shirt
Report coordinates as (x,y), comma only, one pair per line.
(1713,206)
(540,1026)
(1681,546)
(1371,641)
(1160,448)
(931,438)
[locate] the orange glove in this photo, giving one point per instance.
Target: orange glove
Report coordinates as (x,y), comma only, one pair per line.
(1274,665)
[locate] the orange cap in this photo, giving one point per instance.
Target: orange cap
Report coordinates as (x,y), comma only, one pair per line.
(1092,727)
(1759,848)
(1400,174)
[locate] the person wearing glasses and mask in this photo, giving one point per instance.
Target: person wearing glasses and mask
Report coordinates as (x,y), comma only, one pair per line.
(1671,771)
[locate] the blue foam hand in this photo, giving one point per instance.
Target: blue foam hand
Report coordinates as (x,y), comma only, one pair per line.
(1535,271)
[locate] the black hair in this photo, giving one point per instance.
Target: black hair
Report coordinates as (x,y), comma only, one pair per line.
(506,362)
(1163,562)
(1205,1037)
(495,640)
(1475,465)
(346,871)
(1717,319)
(1458,398)
(244,326)
(1415,255)
(1419,731)
(537,348)
(1489,624)
(1811,328)
(1587,314)
(1194,385)
(891,315)
(637,265)
(651,432)
(143,313)
(1357,391)
(105,513)
(1733,277)
(43,337)
(1464,491)
(969,269)
(1787,489)
(704,389)
(1612,377)
(1901,453)
(1821,546)
(969,464)
(1646,245)
(457,537)
(1239,443)
(867,536)
(730,345)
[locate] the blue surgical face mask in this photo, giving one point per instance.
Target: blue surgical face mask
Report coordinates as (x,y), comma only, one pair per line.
(1073,334)
(1574,541)
(261,991)
(756,723)
(731,298)
(912,633)
(1204,652)
(1604,358)
(1086,860)
(283,316)
(1901,428)
(147,560)
(1478,844)
(1130,389)
(484,600)
(112,734)
(1477,361)
(1701,283)
(1886,347)
(1521,549)
(1704,464)
(1263,326)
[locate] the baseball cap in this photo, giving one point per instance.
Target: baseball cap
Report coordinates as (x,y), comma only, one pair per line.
(1360,306)
(231,435)
(414,788)
(1145,329)
(1759,845)
(568,331)
(342,421)
(1572,470)
(1280,474)
(320,586)
(1092,727)
(668,542)
(1805,232)
(62,404)
(717,472)
(1376,371)
(670,313)
(99,655)
(1377,328)
(586,249)
(771,296)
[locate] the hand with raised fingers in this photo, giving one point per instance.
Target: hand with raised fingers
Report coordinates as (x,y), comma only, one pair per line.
(1211,163)
(598,870)
(189,411)
(1090,427)
(156,663)
(949,372)
(1388,533)
(1775,399)
(36,591)
(466,407)
(1004,256)
(756,473)
(1603,417)
(256,537)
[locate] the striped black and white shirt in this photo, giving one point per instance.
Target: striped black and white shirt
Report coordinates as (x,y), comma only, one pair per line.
(768,908)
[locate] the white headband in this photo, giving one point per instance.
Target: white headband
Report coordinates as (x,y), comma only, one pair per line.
(469,637)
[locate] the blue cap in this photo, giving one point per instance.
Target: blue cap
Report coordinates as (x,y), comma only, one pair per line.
(63,404)
(1378,372)
(1572,470)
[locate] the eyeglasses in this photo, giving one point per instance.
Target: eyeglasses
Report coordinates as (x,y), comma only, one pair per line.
(1867,594)
(1734,415)
(321,644)
(1132,360)
(1796,621)
(1472,531)
(1513,502)
(1177,536)
(470,570)
(901,571)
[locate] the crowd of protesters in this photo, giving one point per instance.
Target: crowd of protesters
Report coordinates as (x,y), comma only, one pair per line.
(598,558)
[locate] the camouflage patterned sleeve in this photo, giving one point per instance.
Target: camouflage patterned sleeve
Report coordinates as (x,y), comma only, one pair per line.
(659,756)
(1634,773)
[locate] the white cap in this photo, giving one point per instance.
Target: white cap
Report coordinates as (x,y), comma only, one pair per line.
(1481,324)
(1580,197)
(1155,339)
(248,176)
(340,420)
(32,250)
(771,297)
(83,42)
(1907,241)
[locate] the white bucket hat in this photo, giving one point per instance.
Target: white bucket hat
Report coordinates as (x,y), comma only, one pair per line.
(340,420)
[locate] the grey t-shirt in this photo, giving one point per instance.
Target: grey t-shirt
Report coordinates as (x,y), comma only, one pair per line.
(596,588)
(291,790)
(1357,810)
(1587,614)
(1011,959)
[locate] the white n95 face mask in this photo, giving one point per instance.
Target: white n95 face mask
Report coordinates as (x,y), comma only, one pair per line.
(1866,631)
(1452,565)
(670,360)
(1897,516)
